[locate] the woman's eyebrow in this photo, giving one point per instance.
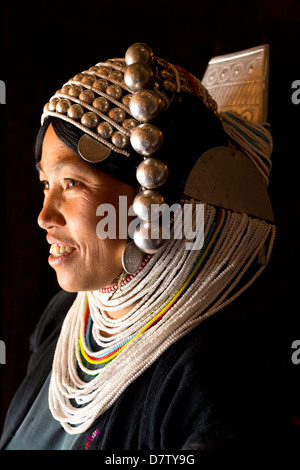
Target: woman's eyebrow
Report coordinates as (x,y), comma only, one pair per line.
(67,162)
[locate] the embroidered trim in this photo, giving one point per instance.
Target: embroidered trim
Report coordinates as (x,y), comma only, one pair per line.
(90,438)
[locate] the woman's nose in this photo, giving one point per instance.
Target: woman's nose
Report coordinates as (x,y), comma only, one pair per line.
(51,214)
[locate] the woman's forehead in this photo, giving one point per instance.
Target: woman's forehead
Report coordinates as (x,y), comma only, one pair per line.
(56,155)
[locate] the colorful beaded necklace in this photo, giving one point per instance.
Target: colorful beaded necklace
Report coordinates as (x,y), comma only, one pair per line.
(105,356)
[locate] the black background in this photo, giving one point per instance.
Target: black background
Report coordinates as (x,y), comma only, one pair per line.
(42,45)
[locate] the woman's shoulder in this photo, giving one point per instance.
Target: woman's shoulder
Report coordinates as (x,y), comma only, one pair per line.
(52,318)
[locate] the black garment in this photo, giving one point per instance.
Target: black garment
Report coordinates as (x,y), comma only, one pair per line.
(207,391)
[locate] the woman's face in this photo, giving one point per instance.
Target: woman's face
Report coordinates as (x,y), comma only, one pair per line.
(72,192)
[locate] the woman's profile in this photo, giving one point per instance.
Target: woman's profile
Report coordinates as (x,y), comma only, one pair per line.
(138,351)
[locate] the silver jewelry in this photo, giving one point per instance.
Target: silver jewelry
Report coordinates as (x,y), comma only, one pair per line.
(115,103)
(132,258)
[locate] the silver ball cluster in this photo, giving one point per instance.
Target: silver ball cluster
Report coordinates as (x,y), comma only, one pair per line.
(146,139)
(116,102)
(96,103)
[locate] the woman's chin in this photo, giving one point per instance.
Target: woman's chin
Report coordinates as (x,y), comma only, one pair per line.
(83,284)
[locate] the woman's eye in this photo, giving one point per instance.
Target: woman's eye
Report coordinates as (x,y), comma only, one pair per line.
(44,185)
(70,183)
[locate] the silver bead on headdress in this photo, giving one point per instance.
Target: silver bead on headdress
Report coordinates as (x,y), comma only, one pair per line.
(115,103)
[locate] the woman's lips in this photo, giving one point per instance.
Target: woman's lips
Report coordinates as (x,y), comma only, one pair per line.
(60,253)
(59,250)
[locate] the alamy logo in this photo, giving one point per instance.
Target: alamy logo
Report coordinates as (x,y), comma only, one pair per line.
(296,354)
(2,92)
(296,93)
(187,222)
(2,352)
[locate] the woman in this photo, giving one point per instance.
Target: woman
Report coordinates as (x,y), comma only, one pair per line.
(121,358)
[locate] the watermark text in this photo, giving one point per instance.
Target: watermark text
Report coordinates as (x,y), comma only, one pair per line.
(184,221)
(2,352)
(296,354)
(2,92)
(296,94)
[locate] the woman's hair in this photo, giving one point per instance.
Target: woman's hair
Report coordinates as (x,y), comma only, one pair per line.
(189,129)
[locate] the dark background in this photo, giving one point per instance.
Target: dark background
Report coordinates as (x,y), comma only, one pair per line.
(42,45)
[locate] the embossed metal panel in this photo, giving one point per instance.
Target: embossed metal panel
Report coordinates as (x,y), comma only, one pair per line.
(239,82)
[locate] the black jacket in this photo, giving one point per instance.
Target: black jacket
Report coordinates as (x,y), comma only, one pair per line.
(209,390)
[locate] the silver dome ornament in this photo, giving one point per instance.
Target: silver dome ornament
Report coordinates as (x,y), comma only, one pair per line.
(129,124)
(115,91)
(102,104)
(87,96)
(126,99)
(76,111)
(52,104)
(78,77)
(75,90)
(145,105)
(101,84)
(146,139)
(147,205)
(152,173)
(148,237)
(105,129)
(138,76)
(117,114)
(88,79)
(138,52)
(115,75)
(104,70)
(62,106)
(90,119)
(65,89)
(120,140)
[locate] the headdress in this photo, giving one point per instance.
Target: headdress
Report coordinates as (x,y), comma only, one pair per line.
(121,106)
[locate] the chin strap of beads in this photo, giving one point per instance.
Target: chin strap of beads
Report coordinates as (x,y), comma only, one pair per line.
(115,102)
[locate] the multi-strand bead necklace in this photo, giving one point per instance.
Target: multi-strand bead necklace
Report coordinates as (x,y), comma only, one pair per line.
(172,294)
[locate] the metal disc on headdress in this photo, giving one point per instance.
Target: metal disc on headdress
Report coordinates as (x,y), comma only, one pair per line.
(225,177)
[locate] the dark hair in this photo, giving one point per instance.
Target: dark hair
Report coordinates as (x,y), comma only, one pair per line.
(188,127)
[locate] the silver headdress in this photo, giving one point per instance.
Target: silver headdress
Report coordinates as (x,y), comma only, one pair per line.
(115,103)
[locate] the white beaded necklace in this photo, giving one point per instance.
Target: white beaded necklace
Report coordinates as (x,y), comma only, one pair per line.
(220,280)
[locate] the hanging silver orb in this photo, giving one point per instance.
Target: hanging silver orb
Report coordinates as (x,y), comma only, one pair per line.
(147,205)
(148,237)
(146,139)
(145,105)
(138,76)
(138,52)
(152,173)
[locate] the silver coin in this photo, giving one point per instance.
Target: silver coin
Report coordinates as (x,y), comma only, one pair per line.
(132,258)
